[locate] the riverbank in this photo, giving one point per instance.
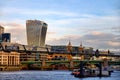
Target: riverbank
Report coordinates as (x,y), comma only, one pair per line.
(10,68)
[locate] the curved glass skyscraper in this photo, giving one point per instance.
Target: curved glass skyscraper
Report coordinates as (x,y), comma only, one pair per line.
(36,32)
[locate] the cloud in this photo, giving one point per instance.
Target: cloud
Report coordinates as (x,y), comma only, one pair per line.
(116,29)
(17,30)
(90,21)
(93,30)
(18,34)
(1,6)
(95,25)
(97,40)
(111,43)
(96,33)
(51,32)
(35,12)
(90,29)
(10,25)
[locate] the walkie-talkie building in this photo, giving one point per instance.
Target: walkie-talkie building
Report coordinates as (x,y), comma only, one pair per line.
(36,32)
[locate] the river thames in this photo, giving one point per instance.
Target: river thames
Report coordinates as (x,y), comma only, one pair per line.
(51,75)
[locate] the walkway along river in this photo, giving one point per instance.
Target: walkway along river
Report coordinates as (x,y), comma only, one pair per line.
(51,75)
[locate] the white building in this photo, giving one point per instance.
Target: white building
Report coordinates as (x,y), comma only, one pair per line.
(9,59)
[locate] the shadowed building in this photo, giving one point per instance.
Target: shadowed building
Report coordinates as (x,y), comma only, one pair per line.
(6,37)
(36,32)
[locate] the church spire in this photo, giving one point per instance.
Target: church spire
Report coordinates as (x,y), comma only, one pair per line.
(81,48)
(69,44)
(81,44)
(69,47)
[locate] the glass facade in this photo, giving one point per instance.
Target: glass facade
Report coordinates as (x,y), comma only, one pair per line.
(6,37)
(36,32)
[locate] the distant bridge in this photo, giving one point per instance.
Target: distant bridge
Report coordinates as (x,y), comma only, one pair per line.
(46,50)
(75,61)
(52,63)
(45,65)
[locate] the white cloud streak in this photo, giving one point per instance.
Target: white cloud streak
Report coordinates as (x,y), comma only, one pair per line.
(37,12)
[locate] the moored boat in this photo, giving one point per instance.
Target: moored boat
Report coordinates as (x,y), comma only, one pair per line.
(91,73)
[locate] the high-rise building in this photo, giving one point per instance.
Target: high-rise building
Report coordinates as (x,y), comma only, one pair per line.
(1,31)
(6,37)
(36,32)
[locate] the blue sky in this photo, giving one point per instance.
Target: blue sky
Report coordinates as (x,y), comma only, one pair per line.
(93,22)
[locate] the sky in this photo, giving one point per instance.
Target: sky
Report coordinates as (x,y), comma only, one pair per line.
(95,23)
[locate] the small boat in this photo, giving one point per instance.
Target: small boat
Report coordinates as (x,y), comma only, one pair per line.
(75,72)
(91,73)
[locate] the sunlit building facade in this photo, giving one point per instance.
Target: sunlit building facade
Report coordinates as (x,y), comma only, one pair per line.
(36,32)
(1,32)
(9,59)
(1,29)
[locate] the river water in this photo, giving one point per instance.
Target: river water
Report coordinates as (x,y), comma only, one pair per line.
(50,75)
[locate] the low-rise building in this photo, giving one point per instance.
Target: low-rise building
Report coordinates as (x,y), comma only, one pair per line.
(59,56)
(9,61)
(27,56)
(43,56)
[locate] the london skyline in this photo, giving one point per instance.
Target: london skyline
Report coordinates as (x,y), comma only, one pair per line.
(95,23)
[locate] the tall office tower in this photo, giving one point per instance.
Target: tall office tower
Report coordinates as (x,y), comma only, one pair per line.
(1,31)
(6,37)
(36,32)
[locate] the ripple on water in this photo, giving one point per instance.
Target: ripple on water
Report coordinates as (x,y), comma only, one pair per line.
(50,75)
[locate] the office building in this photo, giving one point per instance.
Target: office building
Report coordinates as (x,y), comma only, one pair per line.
(1,31)
(36,32)
(6,37)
